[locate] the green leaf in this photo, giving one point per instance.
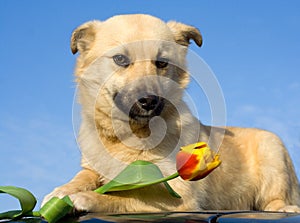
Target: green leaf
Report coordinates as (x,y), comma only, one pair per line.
(136,175)
(171,191)
(26,199)
(56,208)
(52,211)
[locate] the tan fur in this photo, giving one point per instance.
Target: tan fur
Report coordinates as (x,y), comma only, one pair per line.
(256,172)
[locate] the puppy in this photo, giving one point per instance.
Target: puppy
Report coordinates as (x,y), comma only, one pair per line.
(131,74)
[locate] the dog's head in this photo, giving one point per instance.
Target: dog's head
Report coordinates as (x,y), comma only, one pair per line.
(131,66)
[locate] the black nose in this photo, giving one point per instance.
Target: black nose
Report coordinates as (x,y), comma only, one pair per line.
(149,102)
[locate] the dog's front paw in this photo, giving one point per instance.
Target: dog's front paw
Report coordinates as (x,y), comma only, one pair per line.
(59,192)
(87,201)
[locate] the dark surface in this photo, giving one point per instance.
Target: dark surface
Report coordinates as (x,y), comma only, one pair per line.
(191,217)
(186,217)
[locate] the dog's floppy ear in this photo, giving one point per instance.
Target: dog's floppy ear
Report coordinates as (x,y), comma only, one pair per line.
(183,33)
(84,36)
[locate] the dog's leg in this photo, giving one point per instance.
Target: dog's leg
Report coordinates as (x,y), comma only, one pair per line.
(90,201)
(280,205)
(278,189)
(149,199)
(85,180)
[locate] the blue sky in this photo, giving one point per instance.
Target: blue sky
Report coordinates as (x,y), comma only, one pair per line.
(253,47)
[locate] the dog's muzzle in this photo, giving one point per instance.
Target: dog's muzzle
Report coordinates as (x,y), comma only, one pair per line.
(140,109)
(147,107)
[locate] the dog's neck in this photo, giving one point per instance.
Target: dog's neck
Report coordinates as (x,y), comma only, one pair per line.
(124,131)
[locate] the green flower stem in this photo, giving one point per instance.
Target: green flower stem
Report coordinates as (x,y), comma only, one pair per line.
(171,177)
(165,179)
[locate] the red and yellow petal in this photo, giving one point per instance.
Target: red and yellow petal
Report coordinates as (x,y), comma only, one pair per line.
(196,161)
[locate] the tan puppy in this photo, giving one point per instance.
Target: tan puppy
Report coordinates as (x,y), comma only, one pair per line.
(131,76)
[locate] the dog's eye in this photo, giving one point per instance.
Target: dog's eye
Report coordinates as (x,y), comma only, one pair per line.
(121,60)
(161,63)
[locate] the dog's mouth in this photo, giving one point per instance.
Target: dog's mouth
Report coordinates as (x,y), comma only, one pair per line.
(141,109)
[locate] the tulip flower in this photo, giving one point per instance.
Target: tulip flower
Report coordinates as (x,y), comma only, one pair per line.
(193,162)
(196,161)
